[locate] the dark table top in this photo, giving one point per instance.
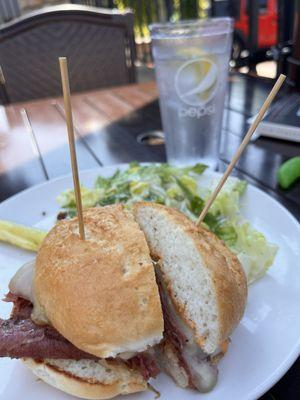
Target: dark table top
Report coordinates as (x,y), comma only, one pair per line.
(113,125)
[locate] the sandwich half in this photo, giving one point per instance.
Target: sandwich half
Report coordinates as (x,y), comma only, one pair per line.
(87,313)
(203,293)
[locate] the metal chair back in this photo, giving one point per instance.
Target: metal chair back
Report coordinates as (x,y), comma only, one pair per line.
(98,43)
(9,9)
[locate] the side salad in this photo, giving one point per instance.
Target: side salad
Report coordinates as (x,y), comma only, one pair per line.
(184,189)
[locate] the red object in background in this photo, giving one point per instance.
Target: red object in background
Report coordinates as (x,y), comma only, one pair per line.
(267,23)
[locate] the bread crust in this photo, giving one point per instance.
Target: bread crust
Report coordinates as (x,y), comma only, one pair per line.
(100,293)
(227,274)
(83,389)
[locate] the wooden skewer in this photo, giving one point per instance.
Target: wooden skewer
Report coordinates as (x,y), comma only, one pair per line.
(244,143)
(69,119)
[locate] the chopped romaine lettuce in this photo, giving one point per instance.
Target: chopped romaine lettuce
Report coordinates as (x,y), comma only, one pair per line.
(227,201)
(179,188)
(254,252)
(89,198)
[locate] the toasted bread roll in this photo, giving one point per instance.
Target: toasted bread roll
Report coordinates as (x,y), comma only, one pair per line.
(99,293)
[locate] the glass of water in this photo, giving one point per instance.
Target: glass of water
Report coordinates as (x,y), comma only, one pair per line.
(191,63)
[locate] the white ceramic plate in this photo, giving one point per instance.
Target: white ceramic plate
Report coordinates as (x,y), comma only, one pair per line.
(264,345)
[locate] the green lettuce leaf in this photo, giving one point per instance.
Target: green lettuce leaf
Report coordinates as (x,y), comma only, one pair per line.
(227,203)
(255,253)
(88,197)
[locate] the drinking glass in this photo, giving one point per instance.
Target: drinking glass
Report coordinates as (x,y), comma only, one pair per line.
(191,63)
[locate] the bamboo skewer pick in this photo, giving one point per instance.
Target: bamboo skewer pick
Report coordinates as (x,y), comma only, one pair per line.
(69,120)
(244,143)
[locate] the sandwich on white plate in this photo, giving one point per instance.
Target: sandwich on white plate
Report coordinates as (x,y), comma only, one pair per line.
(147,290)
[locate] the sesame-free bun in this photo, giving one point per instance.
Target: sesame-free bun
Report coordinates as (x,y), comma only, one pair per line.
(88,379)
(100,293)
(203,278)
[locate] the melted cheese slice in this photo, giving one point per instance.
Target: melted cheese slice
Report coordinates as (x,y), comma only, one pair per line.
(204,374)
(21,283)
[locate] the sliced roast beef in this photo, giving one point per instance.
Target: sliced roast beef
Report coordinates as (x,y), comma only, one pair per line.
(21,337)
(22,308)
(146,364)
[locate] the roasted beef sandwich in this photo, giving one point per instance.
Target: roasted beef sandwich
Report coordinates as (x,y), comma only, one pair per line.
(87,318)
(87,313)
(203,293)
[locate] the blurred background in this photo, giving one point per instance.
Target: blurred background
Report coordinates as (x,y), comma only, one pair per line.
(263,29)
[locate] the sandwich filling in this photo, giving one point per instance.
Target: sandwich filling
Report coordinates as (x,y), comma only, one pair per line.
(27,334)
(21,337)
(201,372)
